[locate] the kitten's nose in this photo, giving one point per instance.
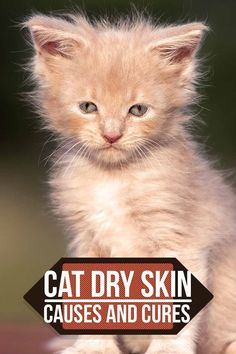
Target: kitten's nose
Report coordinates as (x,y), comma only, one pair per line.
(112,137)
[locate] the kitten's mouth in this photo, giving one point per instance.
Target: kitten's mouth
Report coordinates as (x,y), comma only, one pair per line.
(111,152)
(111,146)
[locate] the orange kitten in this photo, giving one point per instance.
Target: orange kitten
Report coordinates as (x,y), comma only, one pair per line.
(129,179)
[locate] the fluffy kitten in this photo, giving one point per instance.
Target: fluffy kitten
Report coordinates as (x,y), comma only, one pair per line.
(129,179)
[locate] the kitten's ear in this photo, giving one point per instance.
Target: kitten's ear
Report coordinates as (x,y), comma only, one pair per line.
(54,37)
(178,44)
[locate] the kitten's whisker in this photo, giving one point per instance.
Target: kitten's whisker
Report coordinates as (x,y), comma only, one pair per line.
(147,158)
(61,146)
(70,166)
(66,153)
(46,142)
(142,155)
(150,152)
(52,138)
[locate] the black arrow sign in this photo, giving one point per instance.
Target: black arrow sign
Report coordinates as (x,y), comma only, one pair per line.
(200,296)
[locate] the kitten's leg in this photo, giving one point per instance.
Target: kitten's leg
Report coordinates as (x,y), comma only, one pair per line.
(185,341)
(179,344)
(94,344)
(59,343)
(182,343)
(136,343)
(231,348)
(91,344)
(219,328)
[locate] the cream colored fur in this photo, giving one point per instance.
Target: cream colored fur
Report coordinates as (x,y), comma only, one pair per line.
(152,193)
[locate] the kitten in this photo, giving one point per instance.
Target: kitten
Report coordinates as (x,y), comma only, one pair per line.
(129,179)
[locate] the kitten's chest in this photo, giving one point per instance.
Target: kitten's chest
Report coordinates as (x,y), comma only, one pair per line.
(107,203)
(113,204)
(109,215)
(113,214)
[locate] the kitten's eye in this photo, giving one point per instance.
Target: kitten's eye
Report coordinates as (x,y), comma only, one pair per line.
(88,107)
(138,110)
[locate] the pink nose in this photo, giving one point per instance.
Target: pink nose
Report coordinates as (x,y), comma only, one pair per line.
(112,137)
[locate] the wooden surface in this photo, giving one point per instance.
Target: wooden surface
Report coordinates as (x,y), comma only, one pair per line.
(25,339)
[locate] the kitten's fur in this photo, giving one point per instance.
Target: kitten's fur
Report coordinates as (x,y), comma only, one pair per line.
(153,194)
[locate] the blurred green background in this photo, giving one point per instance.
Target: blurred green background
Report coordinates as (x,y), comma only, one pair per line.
(31,239)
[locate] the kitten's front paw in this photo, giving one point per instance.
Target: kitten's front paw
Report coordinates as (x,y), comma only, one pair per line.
(231,349)
(84,346)
(165,349)
(70,350)
(172,351)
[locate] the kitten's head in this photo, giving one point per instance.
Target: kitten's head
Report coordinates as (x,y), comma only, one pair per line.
(118,90)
